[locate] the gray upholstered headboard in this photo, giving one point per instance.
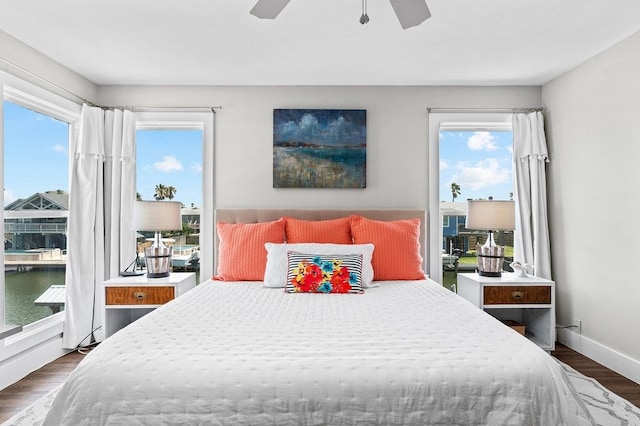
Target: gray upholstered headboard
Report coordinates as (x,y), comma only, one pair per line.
(267,215)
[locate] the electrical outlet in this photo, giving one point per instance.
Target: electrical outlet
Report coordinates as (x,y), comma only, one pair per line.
(578,324)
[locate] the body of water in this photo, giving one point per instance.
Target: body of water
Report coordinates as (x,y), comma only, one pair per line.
(22,288)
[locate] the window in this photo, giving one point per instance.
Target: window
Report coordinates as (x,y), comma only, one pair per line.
(473,165)
(470,158)
(36,194)
(169,167)
(175,162)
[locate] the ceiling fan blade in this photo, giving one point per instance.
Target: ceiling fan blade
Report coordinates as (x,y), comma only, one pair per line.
(268,9)
(410,12)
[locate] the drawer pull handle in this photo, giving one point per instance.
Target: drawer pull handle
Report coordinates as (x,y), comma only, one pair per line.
(517,294)
(139,295)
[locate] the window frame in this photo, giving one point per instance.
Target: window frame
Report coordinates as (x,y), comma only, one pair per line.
(27,95)
(450,121)
(204,121)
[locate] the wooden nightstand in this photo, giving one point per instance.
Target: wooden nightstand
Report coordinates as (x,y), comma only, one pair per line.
(129,298)
(529,301)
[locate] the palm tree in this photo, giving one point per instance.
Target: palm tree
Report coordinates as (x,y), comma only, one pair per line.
(161,192)
(455,191)
(164,192)
(170,192)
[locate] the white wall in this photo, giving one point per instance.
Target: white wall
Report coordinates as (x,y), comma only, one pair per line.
(593,117)
(33,67)
(397,136)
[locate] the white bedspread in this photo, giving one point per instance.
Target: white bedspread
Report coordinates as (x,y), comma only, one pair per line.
(241,354)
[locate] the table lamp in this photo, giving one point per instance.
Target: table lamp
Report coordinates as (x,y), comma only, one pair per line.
(490,215)
(158,216)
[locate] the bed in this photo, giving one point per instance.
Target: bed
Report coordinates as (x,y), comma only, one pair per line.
(403,351)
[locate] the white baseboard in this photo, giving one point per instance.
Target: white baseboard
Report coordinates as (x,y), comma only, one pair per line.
(18,367)
(616,361)
(37,345)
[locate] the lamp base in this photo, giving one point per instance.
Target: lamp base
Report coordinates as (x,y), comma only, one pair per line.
(490,274)
(490,260)
(158,274)
(158,259)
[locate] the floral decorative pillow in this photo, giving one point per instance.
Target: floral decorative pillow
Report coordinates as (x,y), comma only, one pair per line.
(312,273)
(275,274)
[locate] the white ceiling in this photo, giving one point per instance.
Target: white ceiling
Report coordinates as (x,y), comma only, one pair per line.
(319,42)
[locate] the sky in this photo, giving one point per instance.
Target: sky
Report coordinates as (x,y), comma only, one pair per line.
(36,158)
(36,153)
(480,162)
(172,158)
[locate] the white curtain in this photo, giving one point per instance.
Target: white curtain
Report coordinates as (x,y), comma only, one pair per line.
(530,157)
(119,189)
(87,264)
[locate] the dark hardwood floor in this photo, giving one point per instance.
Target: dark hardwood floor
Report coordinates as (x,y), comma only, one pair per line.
(37,384)
(618,384)
(23,393)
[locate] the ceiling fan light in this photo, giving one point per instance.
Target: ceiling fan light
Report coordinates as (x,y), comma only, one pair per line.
(268,9)
(410,12)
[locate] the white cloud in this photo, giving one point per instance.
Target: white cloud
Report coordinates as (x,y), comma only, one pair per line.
(196,168)
(59,148)
(444,164)
(168,164)
(482,174)
(482,141)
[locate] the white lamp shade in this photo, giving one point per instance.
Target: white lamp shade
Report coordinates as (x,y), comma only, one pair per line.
(157,216)
(491,215)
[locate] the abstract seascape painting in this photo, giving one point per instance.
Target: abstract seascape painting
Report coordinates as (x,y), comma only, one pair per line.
(319,148)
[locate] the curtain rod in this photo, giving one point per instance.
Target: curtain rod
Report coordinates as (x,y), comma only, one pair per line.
(44,80)
(188,108)
(80,98)
(485,110)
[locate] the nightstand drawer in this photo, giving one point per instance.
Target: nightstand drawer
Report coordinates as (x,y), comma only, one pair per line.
(507,295)
(155,295)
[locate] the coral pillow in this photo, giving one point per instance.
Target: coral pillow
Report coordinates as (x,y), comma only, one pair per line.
(397,247)
(334,231)
(242,256)
(313,273)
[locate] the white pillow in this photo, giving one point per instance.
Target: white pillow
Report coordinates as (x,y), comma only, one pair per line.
(275,274)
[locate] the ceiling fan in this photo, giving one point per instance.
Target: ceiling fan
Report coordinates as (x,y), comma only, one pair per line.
(409,12)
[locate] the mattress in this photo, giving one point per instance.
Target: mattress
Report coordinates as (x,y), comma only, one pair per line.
(235,353)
